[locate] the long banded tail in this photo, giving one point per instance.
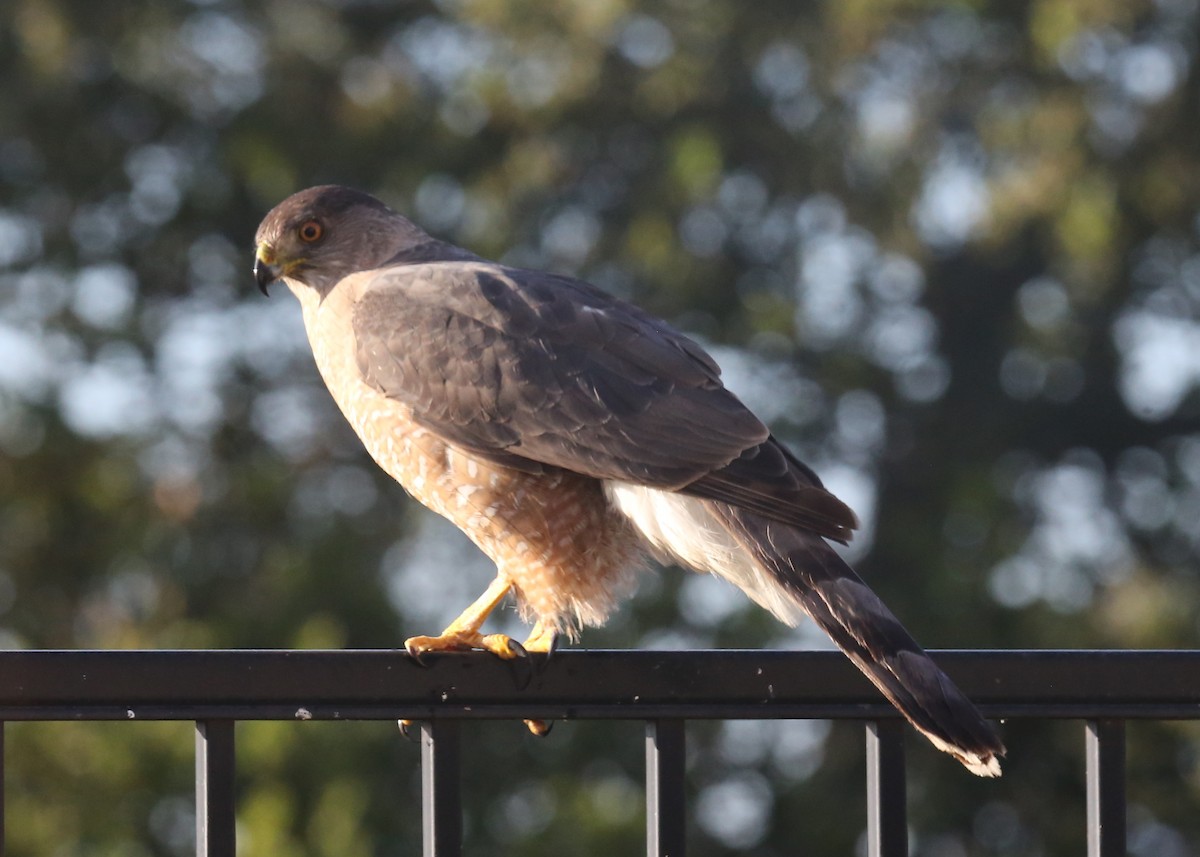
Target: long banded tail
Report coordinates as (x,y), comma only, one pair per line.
(810,572)
(793,572)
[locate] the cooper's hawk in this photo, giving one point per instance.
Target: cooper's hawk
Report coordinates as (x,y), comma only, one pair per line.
(568,434)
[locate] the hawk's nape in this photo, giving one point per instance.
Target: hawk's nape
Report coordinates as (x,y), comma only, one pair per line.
(567,433)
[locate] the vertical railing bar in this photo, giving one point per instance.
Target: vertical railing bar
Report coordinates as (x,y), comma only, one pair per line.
(887,821)
(215,810)
(3,775)
(441,789)
(665,798)
(1106,788)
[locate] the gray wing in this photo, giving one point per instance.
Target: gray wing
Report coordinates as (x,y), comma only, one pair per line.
(533,370)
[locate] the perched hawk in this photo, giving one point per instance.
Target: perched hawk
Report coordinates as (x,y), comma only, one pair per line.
(568,434)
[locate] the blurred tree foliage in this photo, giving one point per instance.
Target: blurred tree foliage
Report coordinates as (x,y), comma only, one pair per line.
(950,250)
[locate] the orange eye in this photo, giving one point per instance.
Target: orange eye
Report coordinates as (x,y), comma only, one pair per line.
(311,231)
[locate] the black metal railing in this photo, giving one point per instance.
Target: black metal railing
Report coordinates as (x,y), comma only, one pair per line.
(215,689)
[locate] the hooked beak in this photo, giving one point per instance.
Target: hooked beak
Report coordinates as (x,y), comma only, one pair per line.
(265,269)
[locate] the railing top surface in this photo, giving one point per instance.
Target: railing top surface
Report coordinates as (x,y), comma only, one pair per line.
(387,684)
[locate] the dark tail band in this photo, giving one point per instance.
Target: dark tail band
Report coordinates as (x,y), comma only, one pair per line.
(837,599)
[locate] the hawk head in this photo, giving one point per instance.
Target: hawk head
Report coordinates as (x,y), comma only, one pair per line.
(320,235)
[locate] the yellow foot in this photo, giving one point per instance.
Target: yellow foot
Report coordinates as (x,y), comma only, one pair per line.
(540,728)
(500,645)
(544,640)
(460,641)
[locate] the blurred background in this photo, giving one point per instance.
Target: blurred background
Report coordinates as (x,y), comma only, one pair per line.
(950,251)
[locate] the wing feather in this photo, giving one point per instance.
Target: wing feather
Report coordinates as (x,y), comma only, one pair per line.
(533,370)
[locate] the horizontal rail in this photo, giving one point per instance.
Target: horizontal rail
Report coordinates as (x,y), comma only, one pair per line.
(664,689)
(643,685)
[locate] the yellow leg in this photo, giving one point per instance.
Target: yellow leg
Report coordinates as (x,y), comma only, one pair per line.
(542,639)
(463,632)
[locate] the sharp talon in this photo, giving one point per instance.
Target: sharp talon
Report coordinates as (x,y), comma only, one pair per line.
(548,651)
(522,670)
(517,649)
(406,731)
(416,654)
